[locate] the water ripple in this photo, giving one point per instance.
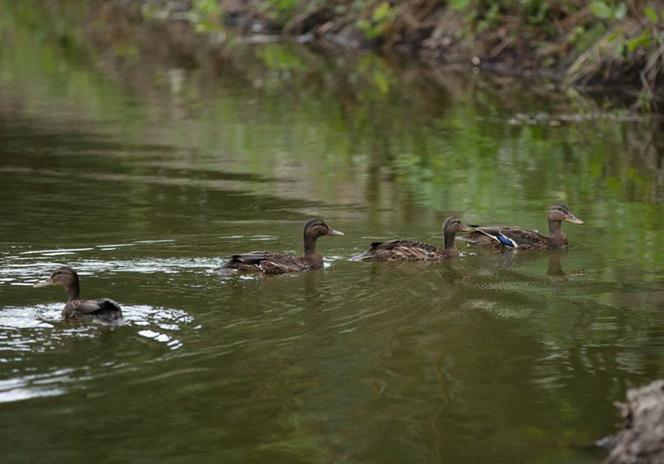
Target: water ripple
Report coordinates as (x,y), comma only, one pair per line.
(37,328)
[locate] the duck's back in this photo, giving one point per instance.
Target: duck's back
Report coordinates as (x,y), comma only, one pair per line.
(267,262)
(102,310)
(403,250)
(508,237)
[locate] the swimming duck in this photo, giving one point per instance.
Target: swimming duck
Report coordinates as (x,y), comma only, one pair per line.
(102,310)
(269,262)
(413,250)
(517,237)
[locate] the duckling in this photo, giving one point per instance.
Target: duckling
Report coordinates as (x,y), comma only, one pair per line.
(517,237)
(412,250)
(269,262)
(102,310)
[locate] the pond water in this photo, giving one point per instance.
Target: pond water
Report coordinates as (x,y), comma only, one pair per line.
(144,155)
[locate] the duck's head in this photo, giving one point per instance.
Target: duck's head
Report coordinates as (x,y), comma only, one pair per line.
(453,225)
(559,212)
(317,228)
(63,276)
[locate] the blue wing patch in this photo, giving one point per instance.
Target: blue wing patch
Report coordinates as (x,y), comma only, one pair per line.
(505,240)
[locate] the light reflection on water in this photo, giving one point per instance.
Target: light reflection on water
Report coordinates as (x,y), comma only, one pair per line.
(146,190)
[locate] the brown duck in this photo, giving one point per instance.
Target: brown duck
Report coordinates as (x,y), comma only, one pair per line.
(517,237)
(413,250)
(102,310)
(269,262)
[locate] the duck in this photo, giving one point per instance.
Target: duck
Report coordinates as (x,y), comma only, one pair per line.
(515,237)
(102,310)
(413,250)
(270,262)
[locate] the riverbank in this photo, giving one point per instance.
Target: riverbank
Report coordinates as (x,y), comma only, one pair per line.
(587,45)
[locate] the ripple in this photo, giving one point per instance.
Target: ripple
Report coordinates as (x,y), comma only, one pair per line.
(38,328)
(28,273)
(33,386)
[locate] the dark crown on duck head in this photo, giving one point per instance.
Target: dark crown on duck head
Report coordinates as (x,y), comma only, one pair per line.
(561,212)
(449,221)
(314,222)
(561,206)
(453,224)
(315,227)
(318,228)
(63,275)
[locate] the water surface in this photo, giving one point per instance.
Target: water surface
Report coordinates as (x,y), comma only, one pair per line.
(143,157)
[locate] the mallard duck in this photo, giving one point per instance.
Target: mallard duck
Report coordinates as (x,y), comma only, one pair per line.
(413,250)
(102,310)
(269,262)
(517,237)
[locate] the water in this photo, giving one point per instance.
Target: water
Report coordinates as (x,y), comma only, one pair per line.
(144,165)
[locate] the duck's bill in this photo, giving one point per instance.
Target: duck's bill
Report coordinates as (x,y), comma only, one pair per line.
(45,283)
(466,229)
(334,232)
(573,219)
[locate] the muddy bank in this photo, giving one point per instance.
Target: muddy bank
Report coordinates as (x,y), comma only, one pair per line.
(642,438)
(584,44)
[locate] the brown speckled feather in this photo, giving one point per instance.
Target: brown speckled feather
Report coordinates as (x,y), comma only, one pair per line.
(268,262)
(405,250)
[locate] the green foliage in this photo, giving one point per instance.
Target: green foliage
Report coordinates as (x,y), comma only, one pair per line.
(206,7)
(459,5)
(281,11)
(481,15)
(376,25)
(601,10)
(651,14)
(642,40)
(490,17)
(608,11)
(206,15)
(537,11)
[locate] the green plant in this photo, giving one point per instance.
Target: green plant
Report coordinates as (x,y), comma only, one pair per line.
(376,25)
(608,11)
(206,7)
(281,10)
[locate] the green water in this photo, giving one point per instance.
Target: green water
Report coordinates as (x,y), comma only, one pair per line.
(144,162)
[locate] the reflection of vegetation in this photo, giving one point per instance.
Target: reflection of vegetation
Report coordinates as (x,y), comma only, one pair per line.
(279,58)
(59,61)
(297,444)
(399,137)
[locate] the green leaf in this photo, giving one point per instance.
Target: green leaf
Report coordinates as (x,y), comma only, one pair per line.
(382,13)
(601,10)
(650,13)
(459,5)
(642,40)
(620,11)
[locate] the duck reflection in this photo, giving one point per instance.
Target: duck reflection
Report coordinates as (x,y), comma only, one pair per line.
(509,258)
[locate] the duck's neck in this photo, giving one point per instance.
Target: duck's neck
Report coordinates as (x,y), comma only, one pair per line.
(556,234)
(449,240)
(73,290)
(310,253)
